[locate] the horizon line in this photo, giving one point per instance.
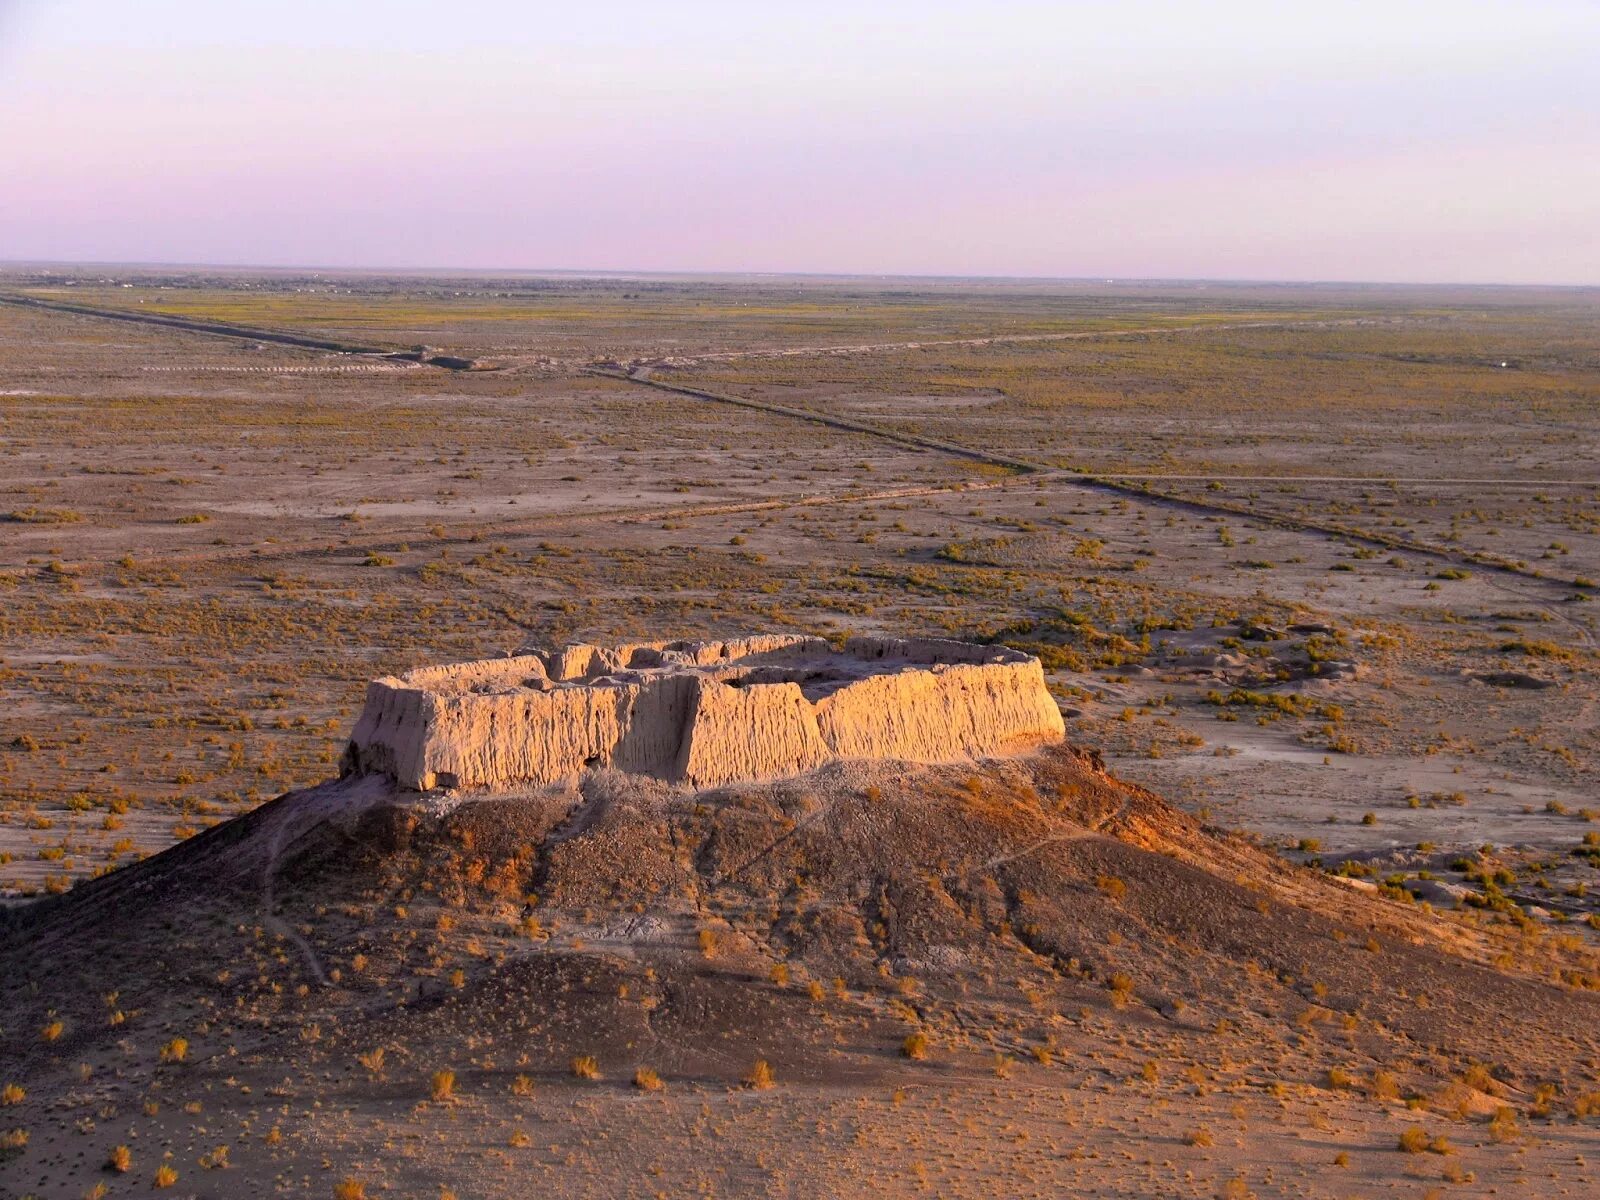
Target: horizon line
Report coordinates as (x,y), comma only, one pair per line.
(754,273)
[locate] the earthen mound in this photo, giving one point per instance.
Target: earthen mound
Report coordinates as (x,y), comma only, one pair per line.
(869,927)
(325,961)
(543,918)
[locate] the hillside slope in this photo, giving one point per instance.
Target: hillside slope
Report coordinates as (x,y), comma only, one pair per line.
(1002,944)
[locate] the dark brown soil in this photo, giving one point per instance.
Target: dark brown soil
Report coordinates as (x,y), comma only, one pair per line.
(1031,908)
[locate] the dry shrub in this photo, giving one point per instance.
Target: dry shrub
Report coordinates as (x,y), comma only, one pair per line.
(1417,1140)
(216,1160)
(1479,1078)
(1121,988)
(1503,1125)
(1414,1140)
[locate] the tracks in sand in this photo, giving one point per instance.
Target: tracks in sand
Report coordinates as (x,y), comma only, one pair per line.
(1134,487)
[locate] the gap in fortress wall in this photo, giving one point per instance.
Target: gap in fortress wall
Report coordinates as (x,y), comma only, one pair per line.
(700,713)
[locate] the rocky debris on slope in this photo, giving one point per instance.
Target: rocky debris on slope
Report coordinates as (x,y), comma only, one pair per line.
(700,713)
(1510,679)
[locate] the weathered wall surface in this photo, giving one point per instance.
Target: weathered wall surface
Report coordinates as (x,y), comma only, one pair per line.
(933,715)
(702,713)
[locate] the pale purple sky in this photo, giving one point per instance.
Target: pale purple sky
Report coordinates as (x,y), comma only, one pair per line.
(1446,140)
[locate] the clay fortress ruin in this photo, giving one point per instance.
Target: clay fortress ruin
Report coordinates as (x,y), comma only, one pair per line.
(700,713)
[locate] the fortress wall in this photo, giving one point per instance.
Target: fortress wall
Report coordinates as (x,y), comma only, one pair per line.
(577,663)
(704,713)
(926,651)
(943,714)
(391,732)
(583,662)
(534,736)
(768,731)
(488,672)
(770,646)
(657,721)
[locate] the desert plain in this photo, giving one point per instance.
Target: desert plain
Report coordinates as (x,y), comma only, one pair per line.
(1306,906)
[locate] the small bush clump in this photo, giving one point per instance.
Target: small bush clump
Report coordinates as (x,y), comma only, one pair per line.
(1503,1125)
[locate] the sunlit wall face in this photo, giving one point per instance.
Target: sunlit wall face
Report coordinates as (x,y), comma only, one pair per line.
(1402,140)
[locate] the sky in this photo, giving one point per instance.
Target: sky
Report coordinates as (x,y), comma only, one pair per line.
(1404,141)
